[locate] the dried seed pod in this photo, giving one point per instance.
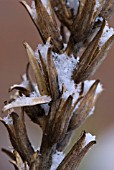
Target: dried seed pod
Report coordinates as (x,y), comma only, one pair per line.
(108,9)
(84,108)
(53,77)
(78,151)
(36,68)
(87,57)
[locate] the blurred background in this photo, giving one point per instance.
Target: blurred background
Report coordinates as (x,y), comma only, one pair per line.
(17,27)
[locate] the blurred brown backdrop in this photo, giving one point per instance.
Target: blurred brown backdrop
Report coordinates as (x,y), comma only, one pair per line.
(15,28)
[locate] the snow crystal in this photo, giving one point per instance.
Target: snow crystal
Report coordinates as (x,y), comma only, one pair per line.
(89,138)
(8,120)
(73,4)
(88,84)
(107,33)
(65,66)
(24,83)
(97,5)
(99,19)
(57,159)
(46,108)
(36,91)
(92,111)
(46,5)
(34,13)
(43,50)
(36,148)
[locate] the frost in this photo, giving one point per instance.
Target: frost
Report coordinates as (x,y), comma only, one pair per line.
(88,84)
(107,33)
(8,120)
(99,19)
(65,66)
(57,159)
(43,50)
(92,111)
(46,108)
(89,138)
(36,148)
(23,84)
(73,4)
(97,5)
(46,5)
(33,12)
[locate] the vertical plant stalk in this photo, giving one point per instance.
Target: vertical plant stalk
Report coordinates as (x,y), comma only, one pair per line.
(62,97)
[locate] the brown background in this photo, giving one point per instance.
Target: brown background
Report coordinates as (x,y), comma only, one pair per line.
(15,28)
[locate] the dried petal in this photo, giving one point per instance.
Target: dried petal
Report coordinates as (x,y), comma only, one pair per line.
(36,68)
(21,89)
(61,120)
(48,26)
(27,101)
(84,108)
(63,12)
(53,77)
(25,148)
(87,57)
(78,151)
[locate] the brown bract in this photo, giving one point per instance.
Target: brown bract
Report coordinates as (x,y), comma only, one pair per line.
(43,101)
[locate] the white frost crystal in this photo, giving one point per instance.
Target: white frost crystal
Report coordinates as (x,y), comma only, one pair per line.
(46,5)
(73,4)
(8,120)
(57,159)
(88,84)
(92,111)
(89,138)
(65,66)
(34,13)
(107,33)
(97,5)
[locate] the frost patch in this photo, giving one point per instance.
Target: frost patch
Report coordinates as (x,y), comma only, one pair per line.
(57,159)
(8,120)
(73,5)
(89,138)
(34,13)
(92,111)
(46,5)
(65,66)
(88,84)
(97,5)
(107,33)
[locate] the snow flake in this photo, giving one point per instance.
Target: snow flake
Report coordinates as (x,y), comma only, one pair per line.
(8,120)
(33,12)
(107,33)
(89,138)
(57,159)
(97,5)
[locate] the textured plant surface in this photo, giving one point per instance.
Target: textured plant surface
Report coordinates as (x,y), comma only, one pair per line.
(76,38)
